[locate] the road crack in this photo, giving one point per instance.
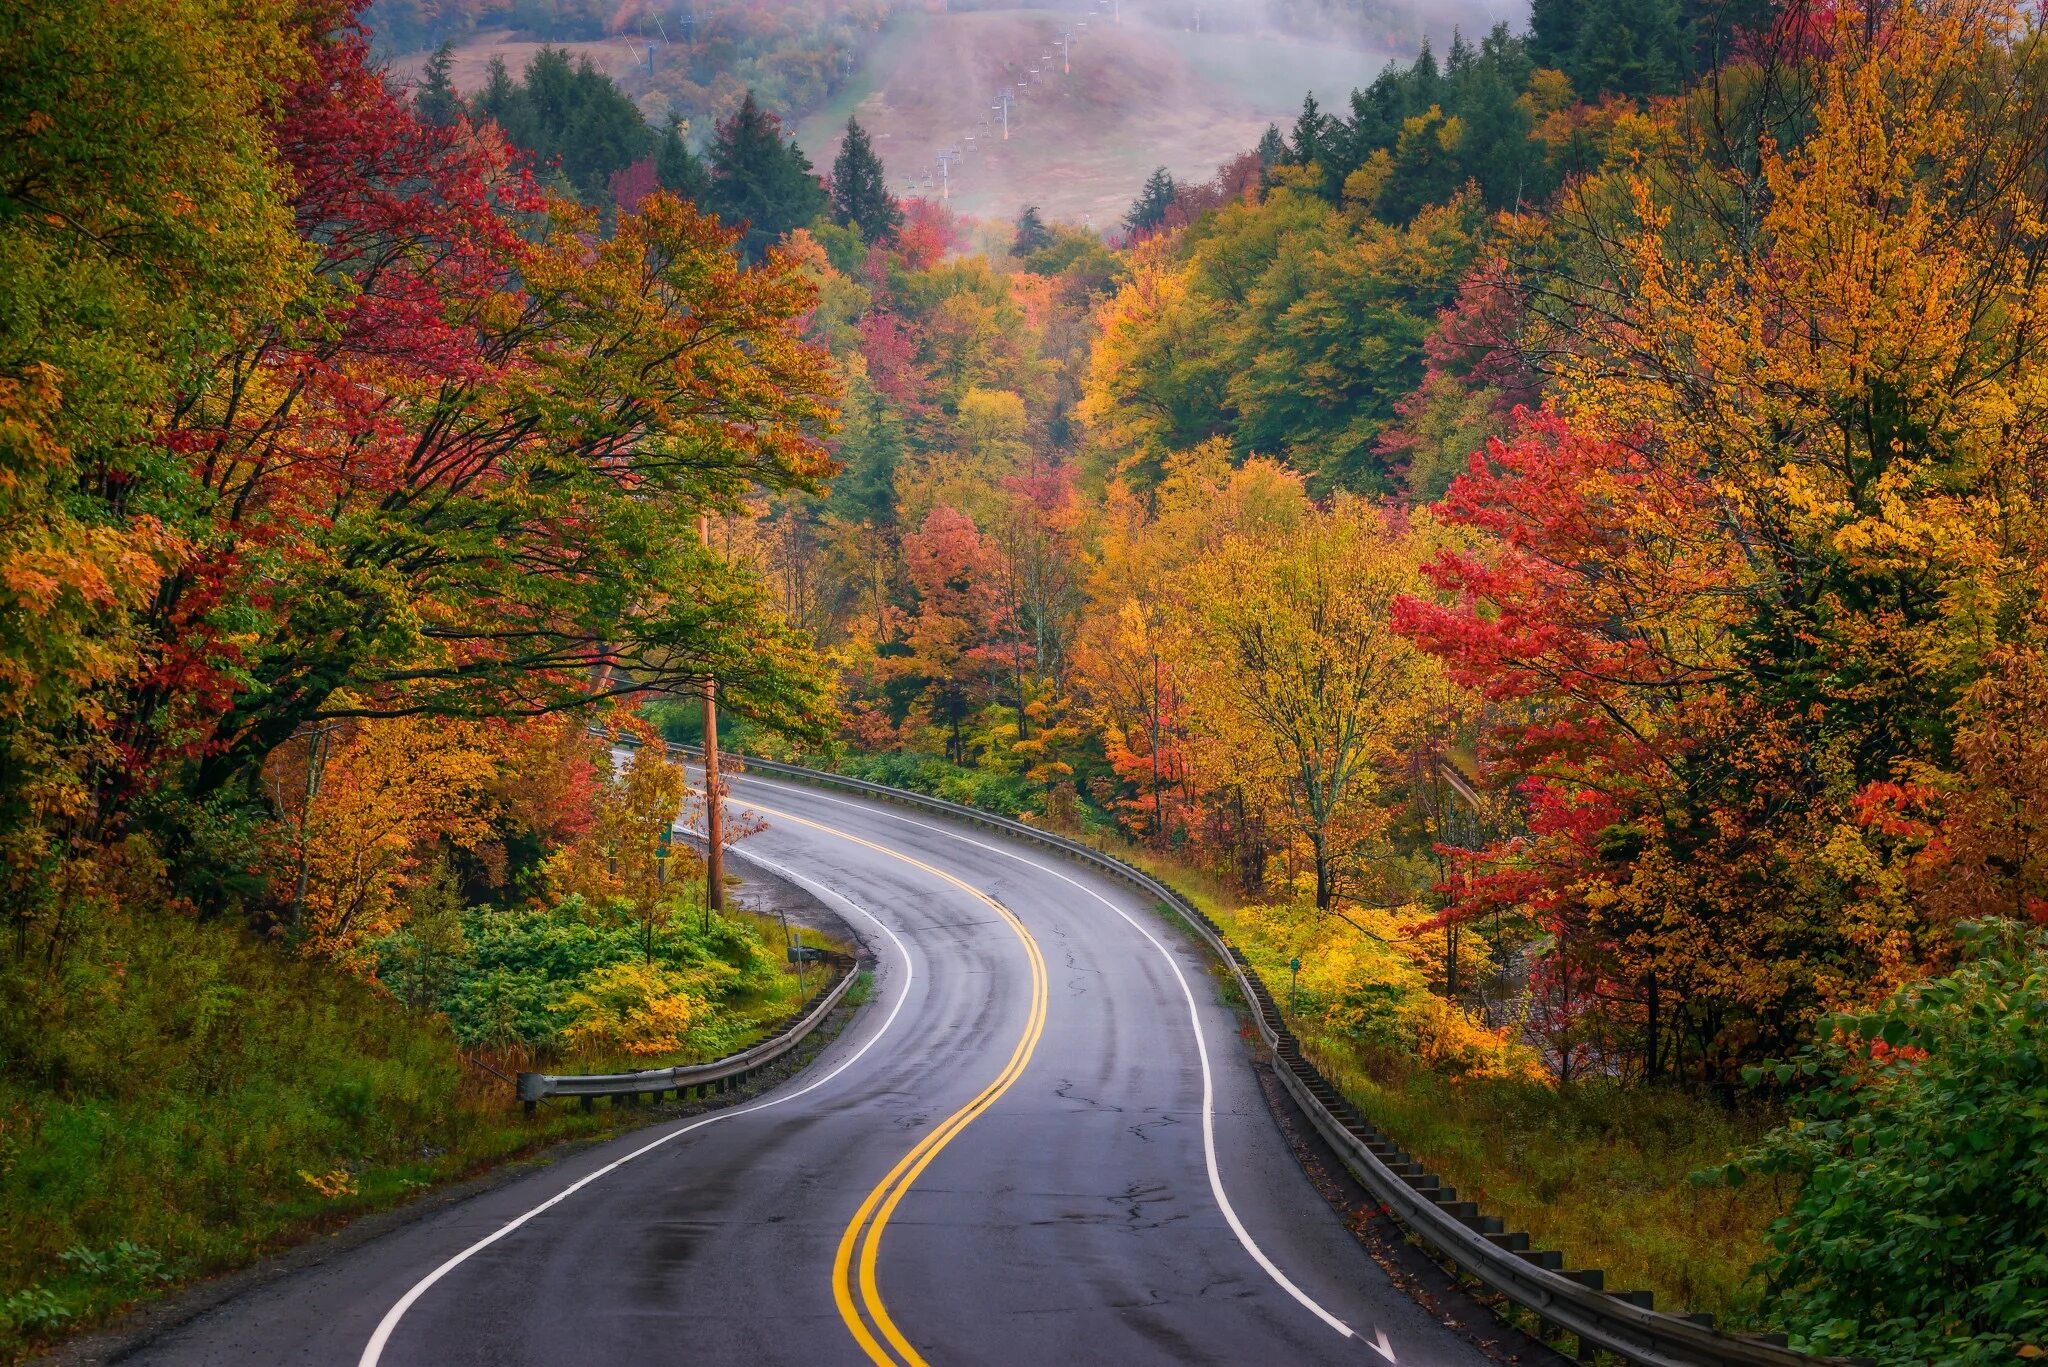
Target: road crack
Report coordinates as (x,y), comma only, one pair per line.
(1144,1125)
(1065,1092)
(1074,986)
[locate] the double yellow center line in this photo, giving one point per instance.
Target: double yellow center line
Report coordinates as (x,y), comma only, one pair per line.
(862,1240)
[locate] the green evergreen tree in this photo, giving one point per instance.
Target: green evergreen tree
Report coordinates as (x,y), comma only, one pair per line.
(1311,133)
(436,101)
(760,180)
(1628,47)
(1714,28)
(1495,150)
(1272,147)
(677,169)
(1554,32)
(860,189)
(572,117)
(500,99)
(870,446)
(1032,234)
(1149,211)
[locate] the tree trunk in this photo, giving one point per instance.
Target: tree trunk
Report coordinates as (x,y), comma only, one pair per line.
(1158,804)
(1650,1060)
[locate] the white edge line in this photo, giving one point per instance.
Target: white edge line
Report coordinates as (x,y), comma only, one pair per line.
(373,1351)
(1194,1016)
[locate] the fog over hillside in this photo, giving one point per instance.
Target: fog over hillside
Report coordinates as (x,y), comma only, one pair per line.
(1098,98)
(1098,93)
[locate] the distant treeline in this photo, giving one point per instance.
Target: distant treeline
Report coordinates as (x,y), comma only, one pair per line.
(1514,115)
(697,60)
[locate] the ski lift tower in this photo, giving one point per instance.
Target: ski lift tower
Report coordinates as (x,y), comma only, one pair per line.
(946,160)
(1067,53)
(1004,99)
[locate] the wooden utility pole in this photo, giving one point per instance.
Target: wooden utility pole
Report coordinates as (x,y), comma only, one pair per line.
(714,797)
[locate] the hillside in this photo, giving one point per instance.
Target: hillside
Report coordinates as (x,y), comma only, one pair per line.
(1082,139)
(1149,91)
(617,57)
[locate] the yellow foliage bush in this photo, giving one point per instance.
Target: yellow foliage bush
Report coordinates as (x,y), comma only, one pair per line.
(1365,975)
(638,1008)
(333,1185)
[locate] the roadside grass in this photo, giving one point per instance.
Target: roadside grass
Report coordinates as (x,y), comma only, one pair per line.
(1601,1171)
(863,988)
(1595,1169)
(182,1099)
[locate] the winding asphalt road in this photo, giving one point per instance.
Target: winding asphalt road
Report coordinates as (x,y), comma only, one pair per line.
(1039,1143)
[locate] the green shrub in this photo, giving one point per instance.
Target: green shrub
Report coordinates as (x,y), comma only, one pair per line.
(1920,1229)
(511,975)
(1010,795)
(32,1311)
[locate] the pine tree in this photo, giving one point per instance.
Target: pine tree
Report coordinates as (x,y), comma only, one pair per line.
(680,171)
(1032,234)
(870,447)
(760,180)
(436,101)
(501,98)
(860,189)
(1554,32)
(1628,47)
(572,117)
(1152,203)
(1311,132)
(1272,147)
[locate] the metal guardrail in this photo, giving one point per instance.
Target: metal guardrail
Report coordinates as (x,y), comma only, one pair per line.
(703,1078)
(1619,1322)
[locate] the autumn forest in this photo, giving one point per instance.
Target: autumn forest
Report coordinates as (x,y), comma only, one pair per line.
(1550,553)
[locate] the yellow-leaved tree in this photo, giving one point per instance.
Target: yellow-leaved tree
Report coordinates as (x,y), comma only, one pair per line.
(1305,689)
